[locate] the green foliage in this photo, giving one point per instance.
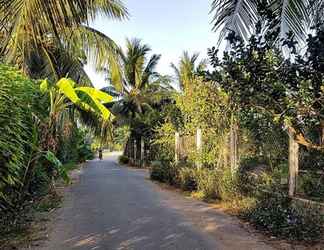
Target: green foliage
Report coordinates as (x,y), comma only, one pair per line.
(207,183)
(58,166)
(158,171)
(312,185)
(40,180)
(164,141)
(244,18)
(17,99)
(163,171)
(74,145)
(85,152)
(187,69)
(260,80)
(64,92)
(275,213)
(216,184)
(256,175)
(120,135)
(268,141)
(63,25)
(187,180)
(123,159)
(203,106)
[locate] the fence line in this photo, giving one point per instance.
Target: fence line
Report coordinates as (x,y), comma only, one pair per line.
(234,154)
(139,154)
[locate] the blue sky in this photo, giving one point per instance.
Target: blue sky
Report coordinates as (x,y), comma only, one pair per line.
(169,27)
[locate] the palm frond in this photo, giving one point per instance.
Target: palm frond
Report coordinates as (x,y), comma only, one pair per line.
(188,68)
(149,69)
(241,17)
(316,8)
(38,17)
(111,90)
(99,48)
(134,60)
(29,26)
(294,16)
(234,15)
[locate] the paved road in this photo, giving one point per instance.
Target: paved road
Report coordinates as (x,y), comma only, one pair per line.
(113,207)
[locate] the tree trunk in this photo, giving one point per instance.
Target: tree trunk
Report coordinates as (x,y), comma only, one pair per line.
(199,147)
(135,152)
(176,147)
(142,152)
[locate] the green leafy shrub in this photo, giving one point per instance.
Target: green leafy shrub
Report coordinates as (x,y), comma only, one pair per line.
(251,176)
(163,171)
(73,144)
(40,180)
(207,183)
(158,171)
(17,98)
(228,187)
(215,183)
(85,153)
(312,185)
(123,159)
(187,179)
(61,171)
(275,213)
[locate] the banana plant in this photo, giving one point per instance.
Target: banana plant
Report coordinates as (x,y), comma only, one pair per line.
(65,96)
(65,93)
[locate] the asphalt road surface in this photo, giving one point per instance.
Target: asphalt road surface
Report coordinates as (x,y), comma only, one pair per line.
(114,207)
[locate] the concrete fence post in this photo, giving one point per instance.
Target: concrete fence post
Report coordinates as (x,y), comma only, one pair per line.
(135,152)
(234,148)
(293,164)
(142,152)
(177,147)
(199,147)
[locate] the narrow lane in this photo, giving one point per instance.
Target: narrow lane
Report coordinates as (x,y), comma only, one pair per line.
(113,207)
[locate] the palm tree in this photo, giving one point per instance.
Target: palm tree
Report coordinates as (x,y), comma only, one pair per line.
(50,38)
(138,76)
(241,16)
(188,68)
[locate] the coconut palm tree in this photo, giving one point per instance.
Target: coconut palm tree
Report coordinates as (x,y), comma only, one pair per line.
(50,38)
(188,68)
(241,16)
(138,76)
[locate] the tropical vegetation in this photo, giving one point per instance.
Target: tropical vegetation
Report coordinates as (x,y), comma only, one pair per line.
(256,97)
(264,90)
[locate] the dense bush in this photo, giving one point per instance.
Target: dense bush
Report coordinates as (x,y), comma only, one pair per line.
(158,171)
(255,175)
(216,184)
(207,183)
(123,159)
(312,185)
(85,152)
(25,163)
(275,213)
(187,179)
(164,171)
(17,99)
(73,144)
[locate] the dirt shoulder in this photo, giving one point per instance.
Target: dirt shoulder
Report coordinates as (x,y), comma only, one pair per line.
(37,216)
(230,222)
